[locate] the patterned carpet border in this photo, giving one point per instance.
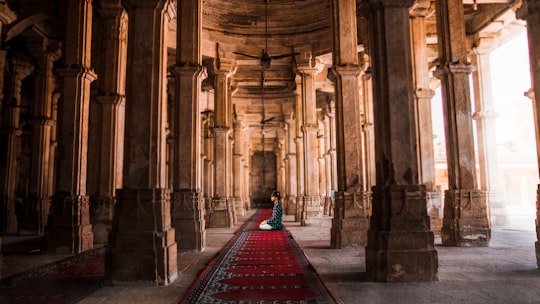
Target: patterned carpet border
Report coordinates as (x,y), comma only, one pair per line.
(243,272)
(62,282)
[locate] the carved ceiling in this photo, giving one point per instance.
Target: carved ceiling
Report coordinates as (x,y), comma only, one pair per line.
(304,26)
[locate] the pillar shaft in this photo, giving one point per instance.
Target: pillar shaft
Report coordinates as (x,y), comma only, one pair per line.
(10,133)
(351,214)
(69,229)
(308,111)
(141,231)
(111,106)
(459,228)
(485,116)
(222,206)
(238,167)
(188,204)
(423,95)
(530,12)
(400,244)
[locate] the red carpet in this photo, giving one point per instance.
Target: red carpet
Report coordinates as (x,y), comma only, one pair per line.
(259,267)
(67,281)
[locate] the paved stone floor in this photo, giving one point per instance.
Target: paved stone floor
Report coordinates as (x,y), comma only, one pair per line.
(505,272)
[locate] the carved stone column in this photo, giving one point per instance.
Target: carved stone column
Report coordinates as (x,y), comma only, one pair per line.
(142,241)
(484,116)
(300,215)
(222,204)
(530,12)
(111,106)
(292,171)
(238,167)
(333,155)
(45,52)
(400,243)
(188,205)
(351,212)
(465,221)
(69,229)
(328,159)
(307,109)
(10,133)
(423,95)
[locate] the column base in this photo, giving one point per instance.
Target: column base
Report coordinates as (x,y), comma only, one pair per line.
(434,210)
(400,244)
(290,208)
(221,214)
(498,213)
(69,230)
(188,220)
(102,211)
(466,221)
(239,207)
(142,244)
(351,220)
(312,211)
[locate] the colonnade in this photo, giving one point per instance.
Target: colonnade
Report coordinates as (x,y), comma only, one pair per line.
(146,152)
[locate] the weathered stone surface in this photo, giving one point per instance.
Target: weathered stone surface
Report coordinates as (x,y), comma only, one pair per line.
(142,241)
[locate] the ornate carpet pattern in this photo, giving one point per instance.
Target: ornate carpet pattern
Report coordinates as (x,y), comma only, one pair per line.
(259,267)
(66,281)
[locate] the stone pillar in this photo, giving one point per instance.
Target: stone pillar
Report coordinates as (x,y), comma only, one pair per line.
(465,221)
(207,162)
(333,154)
(485,115)
(328,161)
(69,229)
(530,12)
(324,193)
(111,103)
(246,177)
(423,96)
(188,205)
(292,171)
(7,16)
(351,212)
(400,244)
(222,203)
(10,133)
(142,243)
(307,109)
(45,52)
(300,215)
(238,167)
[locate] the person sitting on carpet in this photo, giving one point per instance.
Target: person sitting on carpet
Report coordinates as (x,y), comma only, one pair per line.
(273,223)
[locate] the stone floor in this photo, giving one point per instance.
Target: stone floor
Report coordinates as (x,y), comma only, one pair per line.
(505,272)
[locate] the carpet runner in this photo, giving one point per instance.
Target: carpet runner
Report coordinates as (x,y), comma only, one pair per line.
(259,267)
(63,282)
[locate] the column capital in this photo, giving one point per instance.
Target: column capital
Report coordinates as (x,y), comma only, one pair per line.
(424,93)
(75,70)
(111,99)
(182,70)
(347,70)
(309,127)
(482,115)
(453,68)
(221,130)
